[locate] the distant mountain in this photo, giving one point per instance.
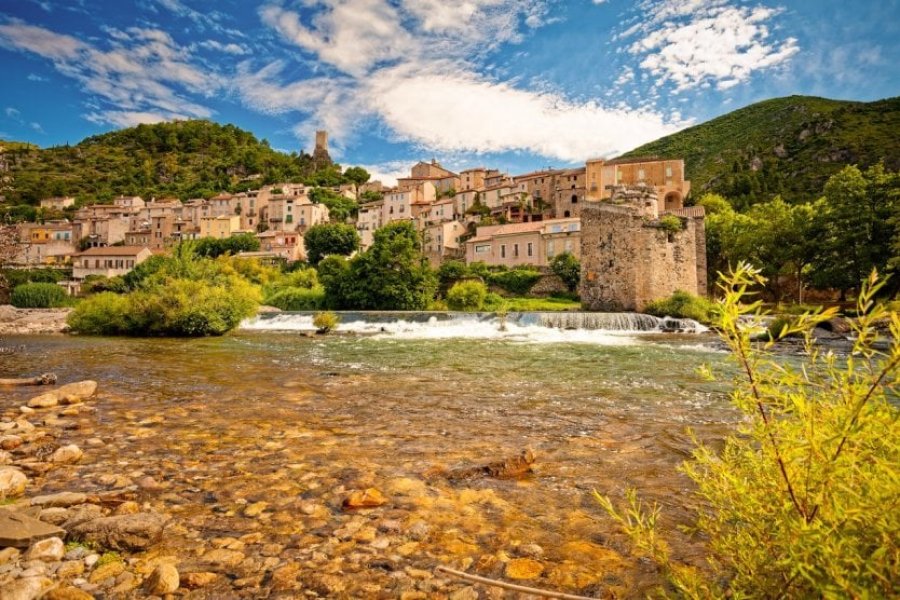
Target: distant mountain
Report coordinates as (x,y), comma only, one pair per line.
(788,146)
(184,159)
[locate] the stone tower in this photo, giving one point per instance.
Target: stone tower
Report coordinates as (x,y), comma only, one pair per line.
(629,257)
(321,158)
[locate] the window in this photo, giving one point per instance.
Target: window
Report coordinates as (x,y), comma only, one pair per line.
(567,214)
(568,245)
(574,198)
(668,171)
(550,250)
(503,251)
(573,227)
(530,249)
(289,219)
(516,250)
(482,249)
(640,174)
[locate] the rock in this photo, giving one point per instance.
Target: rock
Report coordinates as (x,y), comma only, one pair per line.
(122,532)
(67,592)
(5,457)
(21,531)
(255,509)
(69,569)
(48,550)
(95,442)
(224,557)
(466,593)
(91,559)
(530,551)
(12,482)
(368,498)
(27,588)
(285,577)
(79,514)
(62,500)
(26,410)
(326,584)
(192,581)
(149,483)
(107,571)
(74,393)
(10,442)
(128,507)
(523,568)
(8,555)
(163,580)
(67,454)
(47,400)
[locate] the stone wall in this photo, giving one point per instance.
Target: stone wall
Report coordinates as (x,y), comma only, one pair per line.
(629,260)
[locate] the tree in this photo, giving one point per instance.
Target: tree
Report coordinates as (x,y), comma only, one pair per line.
(566,267)
(330,238)
(9,249)
(340,208)
(391,275)
(357,176)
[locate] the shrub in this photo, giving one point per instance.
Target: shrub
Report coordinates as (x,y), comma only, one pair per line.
(494,303)
(450,272)
(670,224)
(682,305)
(297,298)
(330,238)
(800,502)
(325,322)
(516,281)
(38,295)
(105,313)
(94,284)
(467,295)
(568,269)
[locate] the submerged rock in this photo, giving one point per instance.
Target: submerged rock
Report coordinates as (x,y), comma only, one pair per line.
(67,454)
(523,568)
(163,580)
(368,498)
(122,532)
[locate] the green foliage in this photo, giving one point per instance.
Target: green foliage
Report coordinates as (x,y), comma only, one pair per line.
(38,295)
(340,207)
(330,238)
(213,247)
(94,284)
(518,281)
(813,139)
(670,224)
(297,298)
(391,275)
(357,176)
(683,305)
(325,322)
(182,295)
(370,196)
(566,267)
(800,501)
(549,304)
(467,295)
(16,277)
(450,272)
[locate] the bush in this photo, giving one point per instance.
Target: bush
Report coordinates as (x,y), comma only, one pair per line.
(467,296)
(518,281)
(295,298)
(798,502)
(39,295)
(325,322)
(450,272)
(330,238)
(494,303)
(105,313)
(568,269)
(670,224)
(682,305)
(94,284)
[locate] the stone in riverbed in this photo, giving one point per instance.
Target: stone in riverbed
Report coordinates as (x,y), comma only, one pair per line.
(163,580)
(74,393)
(67,592)
(27,588)
(10,442)
(200,579)
(60,500)
(21,531)
(12,482)
(48,400)
(49,550)
(66,454)
(523,568)
(224,557)
(8,555)
(368,498)
(122,532)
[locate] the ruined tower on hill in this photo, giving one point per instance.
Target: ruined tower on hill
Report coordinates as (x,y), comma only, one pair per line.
(321,158)
(631,255)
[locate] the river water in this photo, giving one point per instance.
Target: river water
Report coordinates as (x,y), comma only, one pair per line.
(298,422)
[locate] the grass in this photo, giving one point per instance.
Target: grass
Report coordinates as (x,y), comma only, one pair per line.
(551,304)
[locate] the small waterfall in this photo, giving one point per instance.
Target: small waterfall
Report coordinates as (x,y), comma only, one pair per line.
(615,322)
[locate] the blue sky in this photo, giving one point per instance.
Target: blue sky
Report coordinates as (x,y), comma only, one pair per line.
(516,84)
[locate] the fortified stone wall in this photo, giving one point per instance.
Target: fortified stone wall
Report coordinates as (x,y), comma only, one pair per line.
(629,260)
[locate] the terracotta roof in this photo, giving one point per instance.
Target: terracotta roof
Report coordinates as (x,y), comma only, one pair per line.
(535,174)
(639,159)
(113,251)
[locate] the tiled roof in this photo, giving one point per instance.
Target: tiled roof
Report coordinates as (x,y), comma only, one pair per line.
(113,251)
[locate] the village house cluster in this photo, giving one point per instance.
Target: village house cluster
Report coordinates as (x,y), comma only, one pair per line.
(478,214)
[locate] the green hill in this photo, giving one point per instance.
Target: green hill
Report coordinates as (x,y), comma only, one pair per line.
(788,146)
(184,159)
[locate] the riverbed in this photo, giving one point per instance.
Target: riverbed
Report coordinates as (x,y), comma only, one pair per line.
(298,423)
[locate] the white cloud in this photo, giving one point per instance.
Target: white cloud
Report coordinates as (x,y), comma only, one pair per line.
(12,113)
(230,48)
(36,126)
(697,43)
(389,172)
(141,71)
(413,68)
(35,77)
(123,118)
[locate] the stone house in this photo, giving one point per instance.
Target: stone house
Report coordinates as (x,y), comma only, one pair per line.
(219,227)
(108,262)
(533,243)
(58,202)
(401,205)
(295,213)
(47,243)
(665,176)
(628,258)
(433,173)
(442,241)
(367,221)
(569,193)
(100,231)
(288,245)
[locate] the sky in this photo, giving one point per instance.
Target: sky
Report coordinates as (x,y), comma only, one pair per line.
(511,84)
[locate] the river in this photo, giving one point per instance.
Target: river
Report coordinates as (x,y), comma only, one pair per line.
(298,422)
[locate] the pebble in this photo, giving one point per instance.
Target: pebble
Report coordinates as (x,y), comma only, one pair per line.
(49,550)
(163,580)
(200,579)
(67,454)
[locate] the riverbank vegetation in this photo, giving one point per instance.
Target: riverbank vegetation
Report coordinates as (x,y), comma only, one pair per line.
(683,305)
(801,499)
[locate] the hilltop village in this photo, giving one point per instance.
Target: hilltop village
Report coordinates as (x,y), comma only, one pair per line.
(479,214)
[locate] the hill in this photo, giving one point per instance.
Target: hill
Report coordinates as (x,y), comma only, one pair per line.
(184,159)
(788,146)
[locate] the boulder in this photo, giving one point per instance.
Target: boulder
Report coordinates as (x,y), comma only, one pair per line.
(523,568)
(67,454)
(21,531)
(74,393)
(368,498)
(12,482)
(122,532)
(27,588)
(48,550)
(163,580)
(47,400)
(63,500)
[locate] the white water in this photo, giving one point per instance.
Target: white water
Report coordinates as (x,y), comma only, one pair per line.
(613,329)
